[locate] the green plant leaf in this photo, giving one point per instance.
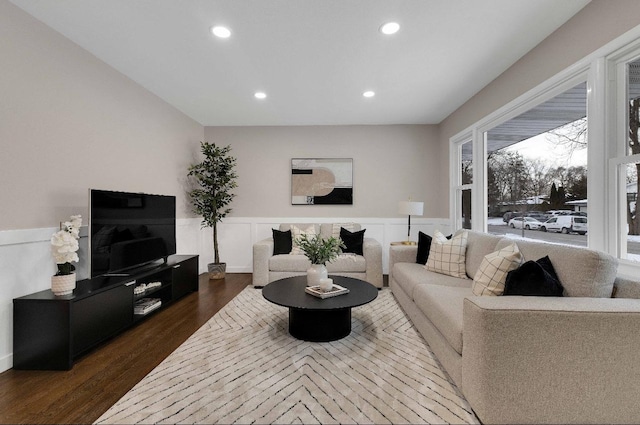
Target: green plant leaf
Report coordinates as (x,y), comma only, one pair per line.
(214,179)
(319,250)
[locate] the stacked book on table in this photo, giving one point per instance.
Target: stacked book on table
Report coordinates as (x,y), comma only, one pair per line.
(146,305)
(334,291)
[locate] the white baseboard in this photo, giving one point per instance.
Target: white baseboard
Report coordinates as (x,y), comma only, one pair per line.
(6,362)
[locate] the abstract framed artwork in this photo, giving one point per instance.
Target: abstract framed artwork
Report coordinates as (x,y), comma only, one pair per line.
(321,181)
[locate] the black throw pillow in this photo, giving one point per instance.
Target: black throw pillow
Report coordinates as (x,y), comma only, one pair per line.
(352,240)
(282,242)
(534,278)
(424,246)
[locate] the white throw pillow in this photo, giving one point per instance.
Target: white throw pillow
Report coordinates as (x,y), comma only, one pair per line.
(296,232)
(492,273)
(448,256)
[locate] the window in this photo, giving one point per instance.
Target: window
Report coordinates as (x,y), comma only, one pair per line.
(607,84)
(626,164)
(537,167)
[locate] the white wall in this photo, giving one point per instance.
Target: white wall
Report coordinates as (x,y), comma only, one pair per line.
(68,122)
(390,163)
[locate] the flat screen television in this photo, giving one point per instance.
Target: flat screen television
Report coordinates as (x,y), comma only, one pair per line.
(129,230)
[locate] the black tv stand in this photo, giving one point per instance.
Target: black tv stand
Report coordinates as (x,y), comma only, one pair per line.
(50,332)
(132,271)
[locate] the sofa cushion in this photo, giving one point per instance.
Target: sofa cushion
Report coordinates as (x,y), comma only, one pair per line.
(424,246)
(289,263)
(410,275)
(287,226)
(352,241)
(347,263)
(344,263)
(627,288)
(583,272)
(443,306)
(479,245)
(534,278)
(282,242)
(448,256)
(333,229)
(492,274)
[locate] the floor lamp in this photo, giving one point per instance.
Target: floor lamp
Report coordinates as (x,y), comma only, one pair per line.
(410,208)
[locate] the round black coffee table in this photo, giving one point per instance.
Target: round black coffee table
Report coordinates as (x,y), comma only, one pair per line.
(316,319)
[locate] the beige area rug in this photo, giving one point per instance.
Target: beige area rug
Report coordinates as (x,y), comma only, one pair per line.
(242,366)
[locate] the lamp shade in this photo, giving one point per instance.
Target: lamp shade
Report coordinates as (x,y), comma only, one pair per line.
(410,208)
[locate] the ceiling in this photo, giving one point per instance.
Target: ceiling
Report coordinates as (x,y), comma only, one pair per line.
(560,110)
(313,58)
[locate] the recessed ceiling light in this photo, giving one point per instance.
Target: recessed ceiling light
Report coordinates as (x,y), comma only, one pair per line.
(369,93)
(221,32)
(260,95)
(390,28)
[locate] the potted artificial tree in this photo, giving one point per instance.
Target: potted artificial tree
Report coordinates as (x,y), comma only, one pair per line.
(214,178)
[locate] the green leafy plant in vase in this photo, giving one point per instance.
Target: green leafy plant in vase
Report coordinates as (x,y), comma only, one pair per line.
(319,251)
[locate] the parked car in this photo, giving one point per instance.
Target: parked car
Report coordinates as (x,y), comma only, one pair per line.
(535,214)
(566,224)
(508,216)
(540,216)
(556,213)
(529,223)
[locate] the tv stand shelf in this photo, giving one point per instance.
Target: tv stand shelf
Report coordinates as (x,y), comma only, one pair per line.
(50,332)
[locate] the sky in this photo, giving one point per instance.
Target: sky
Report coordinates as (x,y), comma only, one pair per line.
(541,147)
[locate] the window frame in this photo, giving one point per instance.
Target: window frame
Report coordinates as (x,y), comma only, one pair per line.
(616,67)
(455,198)
(606,133)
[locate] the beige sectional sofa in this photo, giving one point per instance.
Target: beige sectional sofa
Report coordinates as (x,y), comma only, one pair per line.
(268,267)
(529,359)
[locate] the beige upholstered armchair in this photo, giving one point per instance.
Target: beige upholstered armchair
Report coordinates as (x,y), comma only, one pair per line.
(268,267)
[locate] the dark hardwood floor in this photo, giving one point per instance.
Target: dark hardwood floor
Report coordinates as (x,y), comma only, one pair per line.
(104,375)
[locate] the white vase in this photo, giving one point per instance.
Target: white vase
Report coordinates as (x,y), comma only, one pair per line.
(63,284)
(315,273)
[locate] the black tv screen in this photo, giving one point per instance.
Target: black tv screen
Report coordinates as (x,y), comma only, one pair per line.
(128,230)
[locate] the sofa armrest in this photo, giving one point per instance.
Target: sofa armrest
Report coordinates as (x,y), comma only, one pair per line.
(372,252)
(262,251)
(401,254)
(552,360)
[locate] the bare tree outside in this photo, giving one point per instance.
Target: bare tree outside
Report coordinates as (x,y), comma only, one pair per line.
(513,179)
(570,137)
(634,148)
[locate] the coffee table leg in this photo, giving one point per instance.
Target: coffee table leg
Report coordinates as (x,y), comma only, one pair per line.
(319,325)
